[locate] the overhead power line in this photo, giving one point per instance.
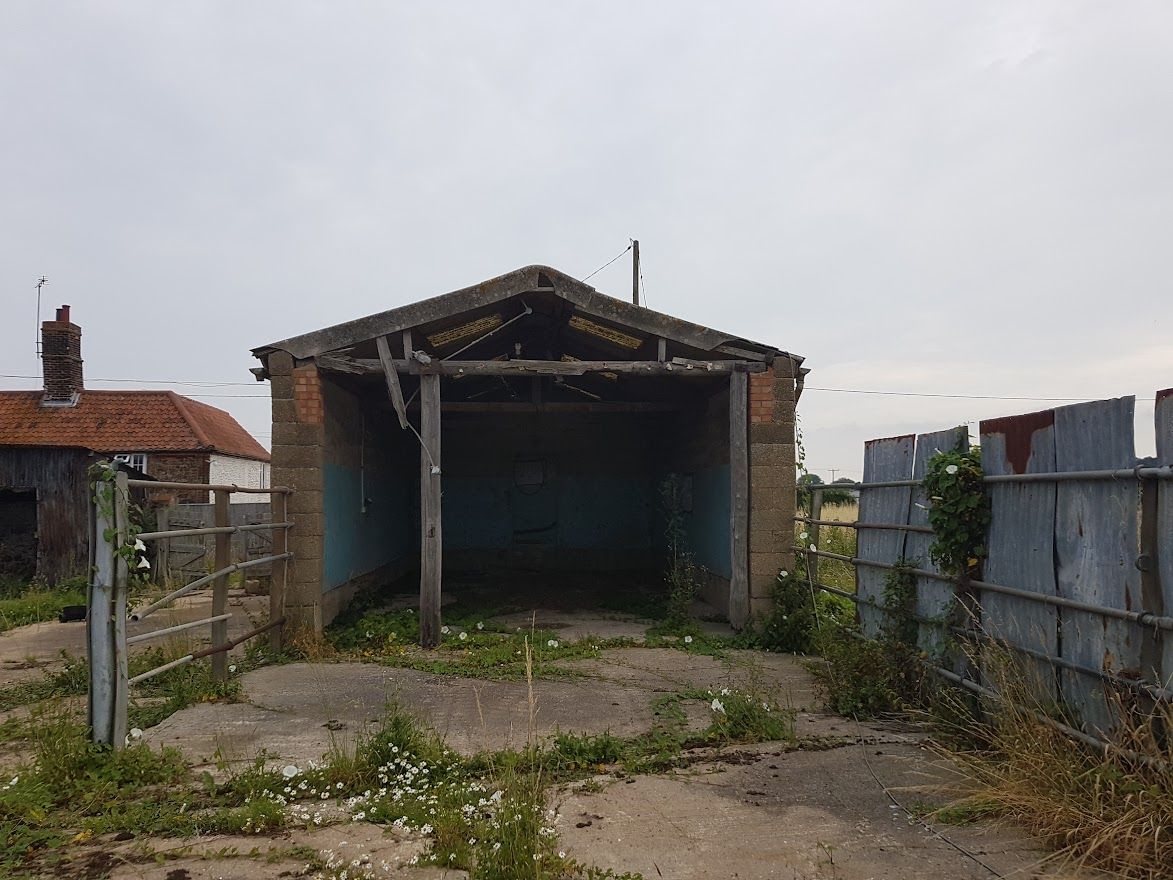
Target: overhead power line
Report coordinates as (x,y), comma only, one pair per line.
(149,381)
(608,263)
(953,396)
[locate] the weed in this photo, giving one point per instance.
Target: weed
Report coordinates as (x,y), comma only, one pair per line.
(683,577)
(37,604)
(1106,810)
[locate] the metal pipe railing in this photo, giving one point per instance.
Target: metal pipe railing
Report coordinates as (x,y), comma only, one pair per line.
(1144,618)
(179,627)
(1154,691)
(208,487)
(1085,738)
(1165,472)
(206,579)
(898,527)
(212,530)
(207,652)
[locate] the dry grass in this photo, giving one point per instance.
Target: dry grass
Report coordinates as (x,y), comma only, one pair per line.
(845,513)
(1110,811)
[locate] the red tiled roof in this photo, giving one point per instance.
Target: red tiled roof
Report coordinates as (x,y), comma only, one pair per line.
(124,421)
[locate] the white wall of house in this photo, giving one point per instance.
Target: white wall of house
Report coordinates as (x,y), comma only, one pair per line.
(228,469)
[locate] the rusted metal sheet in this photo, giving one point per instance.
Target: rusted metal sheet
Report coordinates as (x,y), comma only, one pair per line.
(887,459)
(1097,534)
(1021,543)
(1164,542)
(935,599)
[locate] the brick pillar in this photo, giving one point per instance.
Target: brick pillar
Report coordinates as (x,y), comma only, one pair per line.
(298,441)
(771,479)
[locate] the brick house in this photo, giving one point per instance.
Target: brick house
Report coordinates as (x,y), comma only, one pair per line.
(562,411)
(49,437)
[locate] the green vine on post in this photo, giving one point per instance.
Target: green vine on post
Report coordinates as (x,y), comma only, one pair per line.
(959,511)
(132,550)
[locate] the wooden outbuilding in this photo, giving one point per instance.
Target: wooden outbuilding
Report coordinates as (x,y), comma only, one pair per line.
(529,422)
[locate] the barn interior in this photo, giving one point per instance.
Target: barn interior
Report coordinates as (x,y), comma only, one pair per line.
(552,483)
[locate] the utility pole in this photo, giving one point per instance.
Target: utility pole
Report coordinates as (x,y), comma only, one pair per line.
(833,472)
(635,271)
(40,284)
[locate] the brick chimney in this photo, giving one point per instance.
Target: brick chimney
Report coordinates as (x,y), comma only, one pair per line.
(61,360)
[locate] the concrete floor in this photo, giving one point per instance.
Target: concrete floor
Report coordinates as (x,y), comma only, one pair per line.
(745,812)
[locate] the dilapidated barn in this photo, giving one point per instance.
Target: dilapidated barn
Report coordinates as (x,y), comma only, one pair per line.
(528,423)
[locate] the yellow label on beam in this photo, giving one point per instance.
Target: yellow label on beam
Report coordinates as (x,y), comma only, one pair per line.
(462,331)
(585,325)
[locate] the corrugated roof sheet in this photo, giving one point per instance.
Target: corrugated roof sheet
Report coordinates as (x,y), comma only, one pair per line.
(124,421)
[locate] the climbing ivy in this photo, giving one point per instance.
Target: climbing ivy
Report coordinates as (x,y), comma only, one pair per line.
(132,551)
(959,511)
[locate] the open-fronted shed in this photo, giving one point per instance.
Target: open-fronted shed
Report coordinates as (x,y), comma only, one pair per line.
(530,422)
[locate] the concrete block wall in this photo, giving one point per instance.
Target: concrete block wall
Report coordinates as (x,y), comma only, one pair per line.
(771,478)
(298,445)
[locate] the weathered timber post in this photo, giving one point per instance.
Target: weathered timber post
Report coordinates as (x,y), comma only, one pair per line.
(278,507)
(223,519)
(431,540)
(739,497)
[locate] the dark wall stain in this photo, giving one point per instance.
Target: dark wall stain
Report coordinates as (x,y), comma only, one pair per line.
(1019,432)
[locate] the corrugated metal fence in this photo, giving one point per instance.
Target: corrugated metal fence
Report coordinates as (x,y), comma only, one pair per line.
(1078,580)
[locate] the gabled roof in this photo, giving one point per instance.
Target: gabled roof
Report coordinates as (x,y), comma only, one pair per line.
(124,421)
(583,297)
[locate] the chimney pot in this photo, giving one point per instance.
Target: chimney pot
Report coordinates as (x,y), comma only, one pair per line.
(63,314)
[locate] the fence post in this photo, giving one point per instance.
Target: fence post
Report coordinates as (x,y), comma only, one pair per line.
(279,569)
(106,615)
(812,561)
(220,585)
(99,601)
(121,591)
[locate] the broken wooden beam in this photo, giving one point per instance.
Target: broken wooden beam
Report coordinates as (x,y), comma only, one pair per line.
(392,376)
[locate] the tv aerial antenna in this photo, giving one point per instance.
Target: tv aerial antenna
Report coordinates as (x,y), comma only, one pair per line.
(41,283)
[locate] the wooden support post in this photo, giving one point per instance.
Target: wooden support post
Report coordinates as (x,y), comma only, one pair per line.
(739,498)
(431,540)
(635,271)
(661,349)
(278,506)
(407,344)
(163,548)
(812,530)
(392,377)
(220,585)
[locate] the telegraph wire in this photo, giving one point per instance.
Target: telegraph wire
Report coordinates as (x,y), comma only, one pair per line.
(953,396)
(608,263)
(882,393)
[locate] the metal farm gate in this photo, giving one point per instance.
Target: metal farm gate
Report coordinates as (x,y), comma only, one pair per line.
(115,548)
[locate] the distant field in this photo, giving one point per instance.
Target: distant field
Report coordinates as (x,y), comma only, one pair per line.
(841,512)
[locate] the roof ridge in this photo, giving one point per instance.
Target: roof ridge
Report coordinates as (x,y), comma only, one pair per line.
(180,402)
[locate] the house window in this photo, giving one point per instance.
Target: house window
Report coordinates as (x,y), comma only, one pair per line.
(137,460)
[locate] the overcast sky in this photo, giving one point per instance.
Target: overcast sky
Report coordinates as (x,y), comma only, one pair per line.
(933,197)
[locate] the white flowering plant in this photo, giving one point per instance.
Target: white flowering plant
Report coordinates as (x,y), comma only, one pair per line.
(959,511)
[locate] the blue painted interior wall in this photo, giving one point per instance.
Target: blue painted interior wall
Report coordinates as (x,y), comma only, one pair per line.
(571,511)
(367,456)
(598,490)
(707,524)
